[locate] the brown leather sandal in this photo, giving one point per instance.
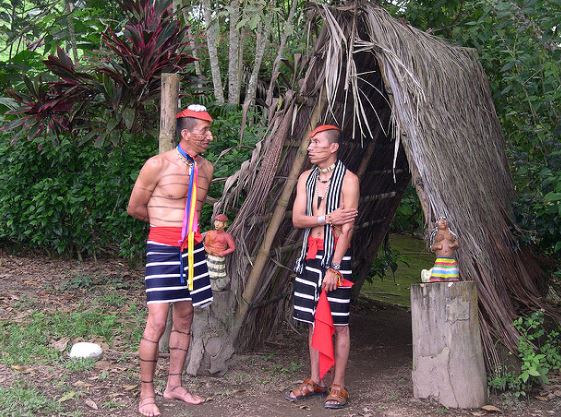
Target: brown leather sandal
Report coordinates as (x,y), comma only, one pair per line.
(306,389)
(338,397)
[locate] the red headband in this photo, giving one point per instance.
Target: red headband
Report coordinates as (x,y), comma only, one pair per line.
(323,128)
(221,218)
(201,115)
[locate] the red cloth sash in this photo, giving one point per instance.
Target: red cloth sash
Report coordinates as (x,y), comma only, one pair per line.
(315,244)
(168,235)
(322,336)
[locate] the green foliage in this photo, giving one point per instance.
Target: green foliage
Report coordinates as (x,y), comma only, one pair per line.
(386,261)
(68,199)
(115,92)
(409,215)
(21,401)
(539,351)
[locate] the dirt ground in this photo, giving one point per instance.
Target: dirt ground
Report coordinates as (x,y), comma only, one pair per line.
(379,372)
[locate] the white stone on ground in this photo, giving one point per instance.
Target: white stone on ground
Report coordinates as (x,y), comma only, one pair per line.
(86,350)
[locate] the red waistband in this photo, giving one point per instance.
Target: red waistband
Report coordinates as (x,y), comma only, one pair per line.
(315,244)
(171,236)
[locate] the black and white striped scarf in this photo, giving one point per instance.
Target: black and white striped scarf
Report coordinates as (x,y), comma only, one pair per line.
(333,202)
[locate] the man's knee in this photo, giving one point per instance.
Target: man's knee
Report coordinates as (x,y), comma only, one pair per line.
(342,331)
(155,326)
(183,315)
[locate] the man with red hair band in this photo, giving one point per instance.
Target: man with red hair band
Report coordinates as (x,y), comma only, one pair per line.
(168,194)
(326,207)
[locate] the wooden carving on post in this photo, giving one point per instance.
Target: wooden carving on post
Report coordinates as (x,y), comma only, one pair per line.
(444,242)
(218,244)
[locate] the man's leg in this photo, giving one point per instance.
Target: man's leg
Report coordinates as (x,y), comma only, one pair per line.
(179,341)
(148,355)
(342,347)
(314,358)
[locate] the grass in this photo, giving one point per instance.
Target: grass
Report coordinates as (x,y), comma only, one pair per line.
(396,289)
(28,342)
(22,401)
(80,364)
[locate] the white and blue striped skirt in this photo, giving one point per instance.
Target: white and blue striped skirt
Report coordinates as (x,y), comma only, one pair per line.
(162,279)
(307,287)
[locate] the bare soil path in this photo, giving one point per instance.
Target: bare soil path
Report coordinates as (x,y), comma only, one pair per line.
(37,288)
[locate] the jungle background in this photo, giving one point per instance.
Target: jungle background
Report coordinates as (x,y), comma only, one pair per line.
(79,115)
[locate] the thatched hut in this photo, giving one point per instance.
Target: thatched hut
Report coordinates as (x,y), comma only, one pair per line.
(412,108)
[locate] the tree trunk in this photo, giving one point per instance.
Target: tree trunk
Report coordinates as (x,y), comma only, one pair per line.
(169,95)
(211,344)
(192,43)
(447,355)
(211,38)
(260,45)
(234,79)
(72,34)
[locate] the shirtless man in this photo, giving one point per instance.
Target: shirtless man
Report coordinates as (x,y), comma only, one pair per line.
(326,206)
(176,270)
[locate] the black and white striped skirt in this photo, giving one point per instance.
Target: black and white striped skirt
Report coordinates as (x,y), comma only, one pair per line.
(307,287)
(162,279)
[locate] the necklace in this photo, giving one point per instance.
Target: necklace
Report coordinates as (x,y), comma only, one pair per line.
(321,194)
(324,181)
(328,169)
(186,161)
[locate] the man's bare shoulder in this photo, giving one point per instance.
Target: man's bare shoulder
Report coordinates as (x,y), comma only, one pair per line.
(205,165)
(159,161)
(350,178)
(305,174)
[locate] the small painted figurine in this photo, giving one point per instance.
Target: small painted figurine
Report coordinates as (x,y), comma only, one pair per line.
(218,244)
(443,243)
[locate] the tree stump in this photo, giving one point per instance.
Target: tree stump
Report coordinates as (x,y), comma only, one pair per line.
(211,345)
(447,355)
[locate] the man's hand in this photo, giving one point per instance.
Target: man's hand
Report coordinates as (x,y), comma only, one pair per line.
(330,281)
(342,216)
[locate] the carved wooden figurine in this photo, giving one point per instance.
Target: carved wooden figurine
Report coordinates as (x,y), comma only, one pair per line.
(443,243)
(218,244)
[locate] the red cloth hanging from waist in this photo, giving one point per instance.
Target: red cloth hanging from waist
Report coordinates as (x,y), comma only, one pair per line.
(170,236)
(315,244)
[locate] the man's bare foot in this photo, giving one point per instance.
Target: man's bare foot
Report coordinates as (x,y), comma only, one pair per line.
(181,394)
(147,407)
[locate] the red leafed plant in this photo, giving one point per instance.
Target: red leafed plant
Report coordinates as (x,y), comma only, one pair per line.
(123,81)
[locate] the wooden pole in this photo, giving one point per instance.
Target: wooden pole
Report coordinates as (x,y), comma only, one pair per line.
(168,101)
(276,220)
(447,354)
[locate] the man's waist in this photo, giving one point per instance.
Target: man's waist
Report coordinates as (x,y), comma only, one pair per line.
(169,235)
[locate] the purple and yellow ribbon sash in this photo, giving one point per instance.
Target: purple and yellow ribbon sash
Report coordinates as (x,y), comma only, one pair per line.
(190,221)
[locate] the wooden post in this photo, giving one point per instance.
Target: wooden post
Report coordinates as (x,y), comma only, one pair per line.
(169,94)
(168,101)
(447,355)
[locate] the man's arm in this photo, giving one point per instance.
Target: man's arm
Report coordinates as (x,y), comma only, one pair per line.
(301,221)
(351,194)
(143,189)
(231,245)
